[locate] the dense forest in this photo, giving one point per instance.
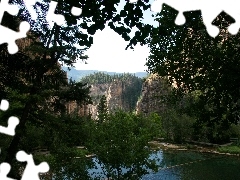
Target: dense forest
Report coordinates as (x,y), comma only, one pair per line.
(101,77)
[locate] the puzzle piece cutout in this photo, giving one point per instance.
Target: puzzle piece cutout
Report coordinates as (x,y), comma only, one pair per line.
(4,105)
(12,121)
(10,8)
(59,19)
(10,130)
(52,17)
(11,36)
(210,10)
(31,171)
(4,170)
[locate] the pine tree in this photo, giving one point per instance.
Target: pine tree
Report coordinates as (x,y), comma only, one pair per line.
(102,109)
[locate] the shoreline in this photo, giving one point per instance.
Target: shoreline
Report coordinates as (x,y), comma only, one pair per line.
(156,145)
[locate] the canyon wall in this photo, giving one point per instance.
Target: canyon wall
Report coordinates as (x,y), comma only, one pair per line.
(152,96)
(119,94)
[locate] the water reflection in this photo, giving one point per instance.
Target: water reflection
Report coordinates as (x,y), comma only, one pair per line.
(195,166)
(174,165)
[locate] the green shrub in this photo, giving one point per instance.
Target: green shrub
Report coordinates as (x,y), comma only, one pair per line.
(230,149)
(177,127)
(125,136)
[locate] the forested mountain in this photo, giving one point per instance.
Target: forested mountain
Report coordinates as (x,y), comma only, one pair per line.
(121,90)
(79,74)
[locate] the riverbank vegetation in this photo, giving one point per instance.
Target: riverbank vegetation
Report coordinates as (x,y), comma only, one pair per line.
(232,149)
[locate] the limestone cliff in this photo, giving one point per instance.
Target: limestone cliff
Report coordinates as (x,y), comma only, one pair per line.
(153,91)
(128,95)
(120,94)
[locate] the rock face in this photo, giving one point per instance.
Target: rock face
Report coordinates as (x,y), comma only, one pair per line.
(146,97)
(152,96)
(116,98)
(82,110)
(119,94)
(97,91)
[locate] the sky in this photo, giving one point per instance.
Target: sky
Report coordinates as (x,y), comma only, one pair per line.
(108,51)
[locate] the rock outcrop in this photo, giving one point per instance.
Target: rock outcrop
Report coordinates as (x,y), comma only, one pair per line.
(152,97)
(146,97)
(119,94)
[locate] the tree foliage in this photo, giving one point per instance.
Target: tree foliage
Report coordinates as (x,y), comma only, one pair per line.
(102,109)
(194,61)
(119,143)
(95,15)
(102,78)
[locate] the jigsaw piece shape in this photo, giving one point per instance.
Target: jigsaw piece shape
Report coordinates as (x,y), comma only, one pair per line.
(58,18)
(31,171)
(12,121)
(10,36)
(4,170)
(4,105)
(231,7)
(180,5)
(10,130)
(52,17)
(210,10)
(10,8)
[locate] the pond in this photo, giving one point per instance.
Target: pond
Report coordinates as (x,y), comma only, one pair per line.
(174,165)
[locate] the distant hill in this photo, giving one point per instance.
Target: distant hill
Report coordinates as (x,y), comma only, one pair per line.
(79,74)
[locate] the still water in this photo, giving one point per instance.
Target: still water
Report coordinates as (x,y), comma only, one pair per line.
(187,165)
(195,166)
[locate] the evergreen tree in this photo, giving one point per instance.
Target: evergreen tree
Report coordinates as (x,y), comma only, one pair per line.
(102,109)
(37,89)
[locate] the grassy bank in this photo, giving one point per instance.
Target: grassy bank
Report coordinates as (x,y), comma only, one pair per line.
(232,149)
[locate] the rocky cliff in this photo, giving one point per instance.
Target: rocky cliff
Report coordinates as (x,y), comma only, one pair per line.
(120,94)
(127,95)
(152,96)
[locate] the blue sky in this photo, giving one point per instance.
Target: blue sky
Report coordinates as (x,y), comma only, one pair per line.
(108,51)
